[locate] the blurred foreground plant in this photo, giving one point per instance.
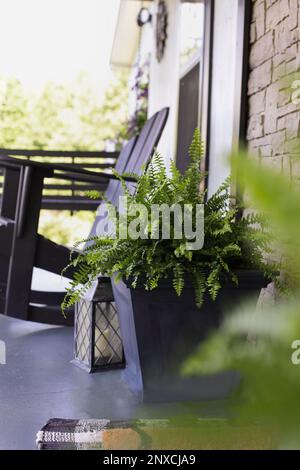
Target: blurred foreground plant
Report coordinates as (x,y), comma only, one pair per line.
(261,343)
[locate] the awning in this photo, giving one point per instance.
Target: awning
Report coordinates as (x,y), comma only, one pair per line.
(127,33)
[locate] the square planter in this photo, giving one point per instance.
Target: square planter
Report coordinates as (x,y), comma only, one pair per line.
(160,330)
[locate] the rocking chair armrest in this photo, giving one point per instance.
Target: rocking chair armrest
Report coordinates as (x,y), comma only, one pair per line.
(90,176)
(64,169)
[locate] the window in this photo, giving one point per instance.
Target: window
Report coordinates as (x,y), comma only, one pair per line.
(191,30)
(191,47)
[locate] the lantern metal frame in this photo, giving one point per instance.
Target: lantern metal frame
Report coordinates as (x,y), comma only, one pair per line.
(99,296)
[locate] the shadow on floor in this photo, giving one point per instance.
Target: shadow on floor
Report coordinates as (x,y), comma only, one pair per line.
(38,383)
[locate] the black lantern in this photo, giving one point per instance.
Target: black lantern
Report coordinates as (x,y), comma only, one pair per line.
(98,343)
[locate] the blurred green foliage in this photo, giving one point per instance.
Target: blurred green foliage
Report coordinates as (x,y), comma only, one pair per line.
(63,117)
(67,228)
(259,341)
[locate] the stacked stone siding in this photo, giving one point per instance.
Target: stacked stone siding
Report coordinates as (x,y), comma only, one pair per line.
(274,120)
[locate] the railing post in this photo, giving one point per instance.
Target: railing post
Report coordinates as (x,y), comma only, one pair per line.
(10,192)
(24,243)
(7,213)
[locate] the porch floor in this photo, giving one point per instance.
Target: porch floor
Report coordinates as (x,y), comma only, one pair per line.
(38,382)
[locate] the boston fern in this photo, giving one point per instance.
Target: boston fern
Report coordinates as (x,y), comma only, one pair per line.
(230,242)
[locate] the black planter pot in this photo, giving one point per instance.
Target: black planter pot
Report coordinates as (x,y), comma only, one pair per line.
(160,329)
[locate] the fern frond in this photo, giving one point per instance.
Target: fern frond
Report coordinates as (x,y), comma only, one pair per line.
(93,194)
(228,240)
(178,279)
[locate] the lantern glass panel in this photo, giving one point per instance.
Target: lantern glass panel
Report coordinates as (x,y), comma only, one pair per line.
(83,331)
(108,347)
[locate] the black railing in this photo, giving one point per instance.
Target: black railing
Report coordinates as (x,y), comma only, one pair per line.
(68,194)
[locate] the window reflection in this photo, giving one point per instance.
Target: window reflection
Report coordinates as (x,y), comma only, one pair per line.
(191,30)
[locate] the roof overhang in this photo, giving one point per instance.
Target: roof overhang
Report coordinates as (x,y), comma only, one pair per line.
(127,33)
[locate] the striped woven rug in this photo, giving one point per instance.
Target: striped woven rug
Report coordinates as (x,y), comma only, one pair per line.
(103,434)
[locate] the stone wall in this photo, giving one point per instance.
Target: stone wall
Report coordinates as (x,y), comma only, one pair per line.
(274,120)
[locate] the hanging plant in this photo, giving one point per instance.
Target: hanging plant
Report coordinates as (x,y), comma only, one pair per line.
(139,88)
